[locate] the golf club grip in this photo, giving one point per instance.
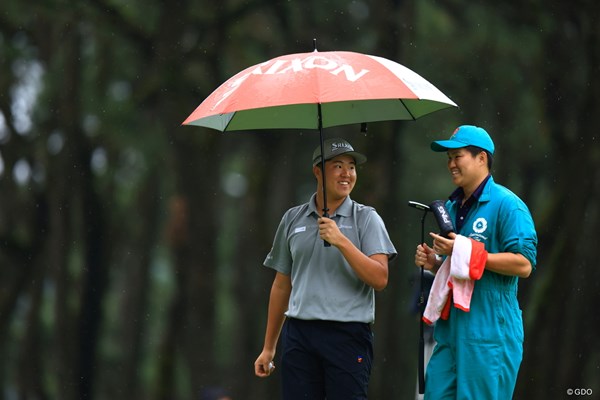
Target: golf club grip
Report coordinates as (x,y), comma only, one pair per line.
(442,217)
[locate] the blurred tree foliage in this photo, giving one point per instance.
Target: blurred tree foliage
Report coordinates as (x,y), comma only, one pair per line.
(131,247)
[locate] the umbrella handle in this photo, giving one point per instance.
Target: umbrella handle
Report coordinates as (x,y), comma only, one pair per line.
(325,242)
(325,209)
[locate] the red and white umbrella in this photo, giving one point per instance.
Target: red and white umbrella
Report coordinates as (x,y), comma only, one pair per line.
(318,90)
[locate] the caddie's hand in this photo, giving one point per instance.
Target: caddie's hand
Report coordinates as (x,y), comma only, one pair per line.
(329,231)
(263,366)
(441,245)
(425,257)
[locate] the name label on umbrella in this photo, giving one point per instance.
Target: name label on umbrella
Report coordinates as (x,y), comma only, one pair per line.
(295,65)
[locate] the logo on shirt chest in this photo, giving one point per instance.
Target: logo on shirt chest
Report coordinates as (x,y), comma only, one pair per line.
(480,225)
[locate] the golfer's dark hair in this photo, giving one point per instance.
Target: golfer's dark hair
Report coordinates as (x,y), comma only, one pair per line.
(474,150)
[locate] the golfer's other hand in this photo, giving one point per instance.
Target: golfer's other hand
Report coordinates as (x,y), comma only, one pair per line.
(263,366)
(425,257)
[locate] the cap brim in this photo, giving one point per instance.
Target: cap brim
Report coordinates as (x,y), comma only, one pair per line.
(358,158)
(444,145)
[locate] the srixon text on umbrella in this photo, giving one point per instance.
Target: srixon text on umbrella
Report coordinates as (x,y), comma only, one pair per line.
(297,65)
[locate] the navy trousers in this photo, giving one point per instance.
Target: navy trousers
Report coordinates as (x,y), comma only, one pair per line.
(326,360)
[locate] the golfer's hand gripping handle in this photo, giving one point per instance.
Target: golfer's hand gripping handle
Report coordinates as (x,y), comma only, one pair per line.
(326,215)
(442,217)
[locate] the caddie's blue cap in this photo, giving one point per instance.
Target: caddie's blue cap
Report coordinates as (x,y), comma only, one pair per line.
(463,136)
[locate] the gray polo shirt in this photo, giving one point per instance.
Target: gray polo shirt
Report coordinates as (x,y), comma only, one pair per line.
(324,286)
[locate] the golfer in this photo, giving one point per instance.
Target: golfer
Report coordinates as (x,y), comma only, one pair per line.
(478,353)
(325,295)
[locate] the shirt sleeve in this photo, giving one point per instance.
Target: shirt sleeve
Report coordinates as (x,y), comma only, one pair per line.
(519,235)
(280,258)
(375,238)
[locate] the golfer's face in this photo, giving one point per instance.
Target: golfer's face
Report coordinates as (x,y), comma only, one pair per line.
(341,175)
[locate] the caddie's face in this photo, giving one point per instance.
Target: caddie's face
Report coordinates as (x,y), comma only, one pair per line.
(465,169)
(340,175)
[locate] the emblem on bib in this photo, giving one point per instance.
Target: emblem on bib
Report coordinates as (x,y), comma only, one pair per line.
(480,225)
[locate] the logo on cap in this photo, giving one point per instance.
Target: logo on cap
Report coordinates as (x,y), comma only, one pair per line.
(340,146)
(454,133)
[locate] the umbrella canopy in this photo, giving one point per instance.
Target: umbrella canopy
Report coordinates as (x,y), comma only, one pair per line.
(318,90)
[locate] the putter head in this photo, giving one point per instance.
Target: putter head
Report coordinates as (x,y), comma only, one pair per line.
(418,206)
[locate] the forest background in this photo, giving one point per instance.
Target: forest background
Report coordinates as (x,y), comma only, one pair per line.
(131,247)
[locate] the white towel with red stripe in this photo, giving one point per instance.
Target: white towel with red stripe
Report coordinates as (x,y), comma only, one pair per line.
(456,279)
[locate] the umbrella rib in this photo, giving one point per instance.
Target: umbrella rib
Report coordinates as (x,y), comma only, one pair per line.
(407,109)
(229,121)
